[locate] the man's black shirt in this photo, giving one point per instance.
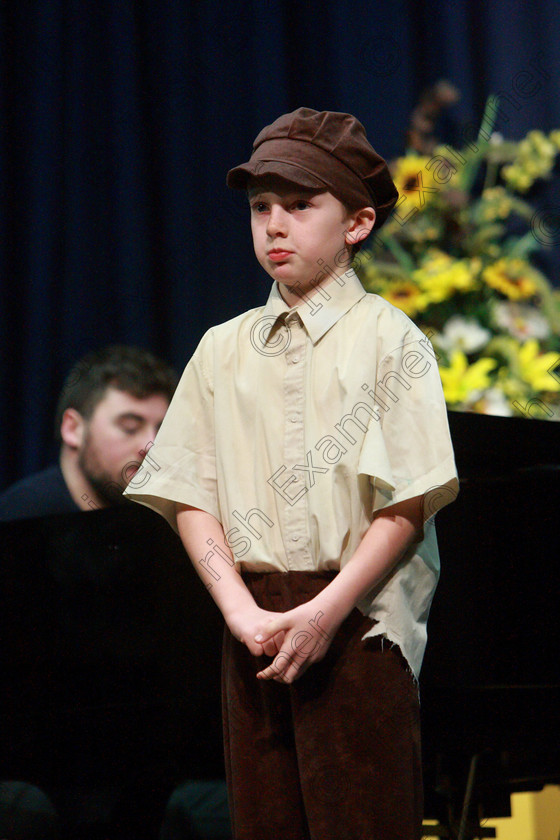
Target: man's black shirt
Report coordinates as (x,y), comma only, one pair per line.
(40,494)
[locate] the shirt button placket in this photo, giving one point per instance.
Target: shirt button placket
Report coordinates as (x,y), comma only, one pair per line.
(295,524)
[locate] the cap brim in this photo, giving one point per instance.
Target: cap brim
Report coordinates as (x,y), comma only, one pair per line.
(238,177)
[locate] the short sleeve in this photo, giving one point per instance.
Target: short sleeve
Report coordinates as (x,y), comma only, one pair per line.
(181,465)
(407,449)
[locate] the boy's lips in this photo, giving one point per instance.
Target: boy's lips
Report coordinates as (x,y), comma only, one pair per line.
(278,254)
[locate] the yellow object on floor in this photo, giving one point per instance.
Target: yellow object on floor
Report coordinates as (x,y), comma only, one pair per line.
(534,816)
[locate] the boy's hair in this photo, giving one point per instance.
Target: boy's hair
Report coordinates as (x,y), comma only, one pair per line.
(131,369)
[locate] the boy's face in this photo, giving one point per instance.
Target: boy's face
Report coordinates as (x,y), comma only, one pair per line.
(296,234)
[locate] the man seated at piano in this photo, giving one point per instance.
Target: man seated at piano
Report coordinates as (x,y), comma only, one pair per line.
(109,411)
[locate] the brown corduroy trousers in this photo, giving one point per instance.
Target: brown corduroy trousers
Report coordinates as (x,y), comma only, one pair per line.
(336,754)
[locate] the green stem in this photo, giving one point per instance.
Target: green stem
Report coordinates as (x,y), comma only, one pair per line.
(482,141)
(402,257)
(491,176)
(523,245)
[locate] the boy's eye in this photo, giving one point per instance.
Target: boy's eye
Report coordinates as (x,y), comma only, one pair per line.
(259,207)
(301,204)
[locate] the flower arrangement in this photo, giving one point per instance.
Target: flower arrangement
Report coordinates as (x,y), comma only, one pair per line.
(456,257)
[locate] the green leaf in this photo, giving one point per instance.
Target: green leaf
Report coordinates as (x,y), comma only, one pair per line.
(482,142)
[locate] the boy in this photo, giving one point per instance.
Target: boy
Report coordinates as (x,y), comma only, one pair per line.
(300,492)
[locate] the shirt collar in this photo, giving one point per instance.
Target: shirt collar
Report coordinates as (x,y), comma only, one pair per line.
(320,311)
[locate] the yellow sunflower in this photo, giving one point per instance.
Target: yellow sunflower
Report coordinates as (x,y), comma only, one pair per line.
(405,295)
(512,277)
(441,276)
(414,181)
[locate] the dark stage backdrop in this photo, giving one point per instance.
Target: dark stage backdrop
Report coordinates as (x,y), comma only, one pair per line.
(119,120)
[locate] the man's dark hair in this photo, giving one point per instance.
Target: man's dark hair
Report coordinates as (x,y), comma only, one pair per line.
(131,369)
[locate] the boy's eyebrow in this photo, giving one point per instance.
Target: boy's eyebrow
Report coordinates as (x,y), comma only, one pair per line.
(255,192)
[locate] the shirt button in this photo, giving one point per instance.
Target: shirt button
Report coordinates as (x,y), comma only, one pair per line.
(295,360)
(293,418)
(295,538)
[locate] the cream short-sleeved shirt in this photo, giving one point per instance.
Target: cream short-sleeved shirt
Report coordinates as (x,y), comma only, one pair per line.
(293,426)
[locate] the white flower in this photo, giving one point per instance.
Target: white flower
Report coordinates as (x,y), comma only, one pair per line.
(495,402)
(462,334)
(521,320)
(496,139)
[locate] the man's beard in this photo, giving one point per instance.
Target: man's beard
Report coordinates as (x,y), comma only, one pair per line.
(108,490)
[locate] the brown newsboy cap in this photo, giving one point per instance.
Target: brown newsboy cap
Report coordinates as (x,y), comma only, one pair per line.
(322,150)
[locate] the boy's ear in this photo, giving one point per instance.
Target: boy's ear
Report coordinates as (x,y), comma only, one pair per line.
(360,225)
(72,428)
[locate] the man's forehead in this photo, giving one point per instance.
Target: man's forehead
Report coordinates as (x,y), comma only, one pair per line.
(117,401)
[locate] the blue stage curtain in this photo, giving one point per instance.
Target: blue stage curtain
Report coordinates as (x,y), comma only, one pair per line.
(120,120)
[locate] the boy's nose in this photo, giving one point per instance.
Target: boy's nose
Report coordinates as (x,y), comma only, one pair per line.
(276,222)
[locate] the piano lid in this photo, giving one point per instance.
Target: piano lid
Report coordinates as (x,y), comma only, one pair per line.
(491,447)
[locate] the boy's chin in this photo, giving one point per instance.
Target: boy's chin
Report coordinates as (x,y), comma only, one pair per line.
(283,274)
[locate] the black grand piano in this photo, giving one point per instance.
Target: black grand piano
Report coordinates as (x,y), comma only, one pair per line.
(110,663)
(110,650)
(490,683)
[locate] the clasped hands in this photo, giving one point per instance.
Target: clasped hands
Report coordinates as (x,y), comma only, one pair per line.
(295,639)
